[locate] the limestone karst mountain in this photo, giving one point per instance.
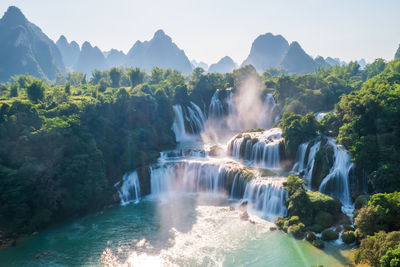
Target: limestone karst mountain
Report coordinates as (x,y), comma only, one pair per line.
(224,65)
(69,51)
(24,48)
(161,52)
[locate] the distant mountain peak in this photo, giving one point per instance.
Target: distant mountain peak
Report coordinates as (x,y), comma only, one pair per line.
(160,35)
(24,48)
(63,38)
(14,16)
(224,65)
(86,45)
(160,51)
(296,60)
(266,51)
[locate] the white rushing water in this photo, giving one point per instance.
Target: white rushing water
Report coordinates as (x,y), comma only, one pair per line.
(337,181)
(130,189)
(217,178)
(266,117)
(299,165)
(265,196)
(261,149)
(194,118)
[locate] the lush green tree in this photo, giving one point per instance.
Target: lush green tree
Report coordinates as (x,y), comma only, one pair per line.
(136,76)
(373,248)
(297,129)
(373,69)
(391,258)
(115,76)
(36,91)
(14,89)
(67,88)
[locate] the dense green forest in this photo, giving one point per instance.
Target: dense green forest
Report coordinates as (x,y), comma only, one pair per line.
(65,144)
(366,121)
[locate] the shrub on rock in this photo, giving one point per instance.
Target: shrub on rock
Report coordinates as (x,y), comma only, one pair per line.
(348,237)
(329,235)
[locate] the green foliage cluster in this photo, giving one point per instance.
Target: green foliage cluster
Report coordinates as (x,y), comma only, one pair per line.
(381,213)
(374,250)
(369,121)
(297,129)
(318,91)
(63,146)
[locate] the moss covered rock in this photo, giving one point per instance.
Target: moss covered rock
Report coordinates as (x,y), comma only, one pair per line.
(361,201)
(279,222)
(348,237)
(325,219)
(322,165)
(329,235)
(316,228)
(293,220)
(297,230)
(318,243)
(310,236)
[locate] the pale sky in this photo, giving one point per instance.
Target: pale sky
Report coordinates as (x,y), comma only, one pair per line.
(207,30)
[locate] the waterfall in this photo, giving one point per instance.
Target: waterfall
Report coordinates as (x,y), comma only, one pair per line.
(298,167)
(308,171)
(266,120)
(188,177)
(130,189)
(220,107)
(266,196)
(181,153)
(260,149)
(189,121)
(337,181)
(179,124)
(216,109)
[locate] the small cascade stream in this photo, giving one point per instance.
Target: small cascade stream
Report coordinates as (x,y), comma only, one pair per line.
(130,189)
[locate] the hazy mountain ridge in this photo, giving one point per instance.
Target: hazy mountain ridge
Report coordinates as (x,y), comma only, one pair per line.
(69,51)
(224,65)
(161,52)
(266,51)
(90,58)
(24,48)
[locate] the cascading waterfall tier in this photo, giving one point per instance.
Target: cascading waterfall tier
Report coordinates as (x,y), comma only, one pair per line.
(189,121)
(306,168)
(220,177)
(337,181)
(195,176)
(130,189)
(260,149)
(265,196)
(183,152)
